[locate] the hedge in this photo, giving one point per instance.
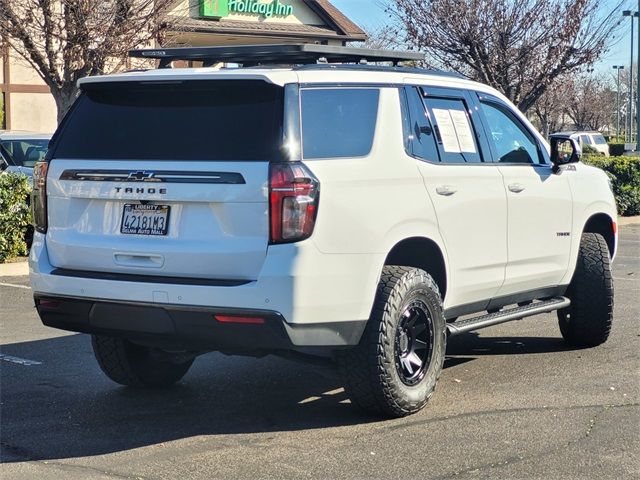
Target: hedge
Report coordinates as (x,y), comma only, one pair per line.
(15,215)
(616,149)
(624,173)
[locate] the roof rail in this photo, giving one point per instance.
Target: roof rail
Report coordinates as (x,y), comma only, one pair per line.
(289,54)
(382,68)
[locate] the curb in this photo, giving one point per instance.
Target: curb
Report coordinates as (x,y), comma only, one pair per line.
(17,269)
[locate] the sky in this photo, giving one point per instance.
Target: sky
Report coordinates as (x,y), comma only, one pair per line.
(369,14)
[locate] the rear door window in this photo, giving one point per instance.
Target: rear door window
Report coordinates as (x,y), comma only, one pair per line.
(338,122)
(183,120)
(454,131)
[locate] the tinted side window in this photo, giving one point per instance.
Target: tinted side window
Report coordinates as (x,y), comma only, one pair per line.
(512,142)
(338,122)
(585,139)
(418,132)
(453,130)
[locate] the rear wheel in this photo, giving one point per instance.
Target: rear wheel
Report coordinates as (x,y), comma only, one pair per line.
(135,365)
(394,369)
(587,321)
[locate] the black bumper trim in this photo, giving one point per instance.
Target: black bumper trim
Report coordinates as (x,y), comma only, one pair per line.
(191,327)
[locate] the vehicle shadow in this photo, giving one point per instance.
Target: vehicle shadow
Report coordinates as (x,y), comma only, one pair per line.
(473,344)
(65,407)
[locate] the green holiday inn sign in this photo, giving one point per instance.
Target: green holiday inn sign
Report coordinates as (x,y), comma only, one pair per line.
(222,8)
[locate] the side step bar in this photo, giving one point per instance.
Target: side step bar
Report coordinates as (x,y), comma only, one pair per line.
(517,313)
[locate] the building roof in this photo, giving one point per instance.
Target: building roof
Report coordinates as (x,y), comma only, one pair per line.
(337,25)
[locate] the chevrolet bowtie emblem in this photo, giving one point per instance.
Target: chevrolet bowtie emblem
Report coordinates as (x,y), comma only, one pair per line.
(140,175)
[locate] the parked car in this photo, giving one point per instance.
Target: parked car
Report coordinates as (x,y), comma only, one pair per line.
(24,149)
(594,140)
(349,211)
(4,159)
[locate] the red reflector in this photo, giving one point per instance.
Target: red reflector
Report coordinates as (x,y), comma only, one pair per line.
(244,320)
(48,303)
(614,227)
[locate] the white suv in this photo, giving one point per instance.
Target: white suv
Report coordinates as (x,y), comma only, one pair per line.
(348,211)
(594,140)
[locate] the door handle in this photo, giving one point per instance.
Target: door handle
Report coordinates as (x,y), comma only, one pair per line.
(446,190)
(516,187)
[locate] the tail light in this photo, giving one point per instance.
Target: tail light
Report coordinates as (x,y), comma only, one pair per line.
(294,194)
(39,196)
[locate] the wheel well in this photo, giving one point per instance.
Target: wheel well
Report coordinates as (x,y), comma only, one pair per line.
(420,252)
(601,223)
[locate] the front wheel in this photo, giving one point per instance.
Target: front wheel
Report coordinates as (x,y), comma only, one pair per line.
(394,369)
(587,321)
(134,365)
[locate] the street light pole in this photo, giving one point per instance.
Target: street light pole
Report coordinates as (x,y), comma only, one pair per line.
(638,79)
(630,14)
(618,68)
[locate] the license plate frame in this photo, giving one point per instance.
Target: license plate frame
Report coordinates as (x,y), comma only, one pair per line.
(152,226)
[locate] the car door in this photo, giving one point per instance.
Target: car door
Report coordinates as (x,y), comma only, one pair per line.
(539,202)
(468,195)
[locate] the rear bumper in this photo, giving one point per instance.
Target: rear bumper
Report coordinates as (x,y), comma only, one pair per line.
(305,286)
(193,327)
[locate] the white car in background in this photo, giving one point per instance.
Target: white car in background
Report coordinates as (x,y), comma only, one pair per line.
(594,139)
(23,149)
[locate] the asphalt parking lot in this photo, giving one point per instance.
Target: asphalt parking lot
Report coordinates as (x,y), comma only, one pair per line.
(513,402)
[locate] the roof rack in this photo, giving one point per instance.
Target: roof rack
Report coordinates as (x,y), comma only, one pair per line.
(288,54)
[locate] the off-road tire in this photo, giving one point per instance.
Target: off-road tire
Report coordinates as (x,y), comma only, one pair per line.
(371,378)
(134,365)
(587,321)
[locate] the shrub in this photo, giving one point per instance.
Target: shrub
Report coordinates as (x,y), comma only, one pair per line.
(15,215)
(624,173)
(616,149)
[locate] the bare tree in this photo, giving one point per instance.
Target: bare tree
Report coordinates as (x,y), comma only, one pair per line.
(65,40)
(386,37)
(548,112)
(590,102)
(517,46)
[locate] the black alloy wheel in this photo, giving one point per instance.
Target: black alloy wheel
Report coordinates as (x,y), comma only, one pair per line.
(414,343)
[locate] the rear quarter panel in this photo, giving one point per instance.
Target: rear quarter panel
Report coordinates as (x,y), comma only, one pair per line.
(369,204)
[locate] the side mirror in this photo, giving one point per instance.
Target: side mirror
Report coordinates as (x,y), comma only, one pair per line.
(564,149)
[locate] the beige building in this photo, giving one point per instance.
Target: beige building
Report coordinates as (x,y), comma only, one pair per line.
(26,103)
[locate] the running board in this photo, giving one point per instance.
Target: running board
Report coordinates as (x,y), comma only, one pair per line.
(490,319)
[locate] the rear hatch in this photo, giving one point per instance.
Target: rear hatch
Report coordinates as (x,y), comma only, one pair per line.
(165,178)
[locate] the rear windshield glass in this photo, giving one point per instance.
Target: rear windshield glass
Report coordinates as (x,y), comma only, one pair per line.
(196,120)
(338,122)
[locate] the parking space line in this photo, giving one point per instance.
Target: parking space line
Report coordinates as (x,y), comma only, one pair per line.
(2,284)
(18,360)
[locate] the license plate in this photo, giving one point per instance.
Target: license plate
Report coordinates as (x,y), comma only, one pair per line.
(145,219)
